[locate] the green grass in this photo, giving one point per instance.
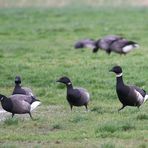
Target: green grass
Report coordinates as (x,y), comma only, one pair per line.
(37,44)
(10,121)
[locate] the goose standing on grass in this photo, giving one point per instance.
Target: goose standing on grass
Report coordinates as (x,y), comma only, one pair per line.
(128,95)
(18,89)
(75,96)
(17,104)
(105,42)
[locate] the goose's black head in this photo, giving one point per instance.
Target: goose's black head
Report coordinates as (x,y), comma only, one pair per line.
(117,70)
(64,80)
(17,80)
(79,45)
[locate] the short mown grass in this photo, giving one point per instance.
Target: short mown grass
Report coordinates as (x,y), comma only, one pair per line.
(37,44)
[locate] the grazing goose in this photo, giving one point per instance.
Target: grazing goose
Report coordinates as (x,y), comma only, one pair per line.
(21,90)
(75,96)
(17,104)
(85,43)
(128,95)
(109,43)
(105,43)
(102,43)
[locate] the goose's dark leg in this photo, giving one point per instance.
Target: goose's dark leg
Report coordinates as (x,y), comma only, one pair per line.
(108,51)
(71,106)
(138,107)
(95,49)
(121,108)
(12,115)
(86,107)
(30,116)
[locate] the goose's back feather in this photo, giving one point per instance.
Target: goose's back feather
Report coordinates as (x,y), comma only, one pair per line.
(85,43)
(78,96)
(21,97)
(133,97)
(23,90)
(105,42)
(123,46)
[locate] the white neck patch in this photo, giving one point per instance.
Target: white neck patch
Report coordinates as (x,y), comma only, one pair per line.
(2,98)
(119,75)
(69,83)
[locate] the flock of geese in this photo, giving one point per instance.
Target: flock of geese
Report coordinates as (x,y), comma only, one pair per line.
(23,100)
(109,43)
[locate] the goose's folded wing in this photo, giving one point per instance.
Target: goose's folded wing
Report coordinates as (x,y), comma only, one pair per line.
(20,106)
(74,94)
(139,90)
(21,97)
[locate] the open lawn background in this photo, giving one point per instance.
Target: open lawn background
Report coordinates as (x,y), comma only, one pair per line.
(37,43)
(61,3)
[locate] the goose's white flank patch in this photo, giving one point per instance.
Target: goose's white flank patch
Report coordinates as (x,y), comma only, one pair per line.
(2,98)
(145,98)
(119,75)
(128,48)
(139,96)
(34,105)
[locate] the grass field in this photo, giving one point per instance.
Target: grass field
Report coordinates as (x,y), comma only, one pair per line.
(37,44)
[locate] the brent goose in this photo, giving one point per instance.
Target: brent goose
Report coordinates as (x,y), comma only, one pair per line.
(128,95)
(75,96)
(17,104)
(105,42)
(85,43)
(102,43)
(18,89)
(109,43)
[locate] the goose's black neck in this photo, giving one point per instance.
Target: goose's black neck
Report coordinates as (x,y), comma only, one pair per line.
(17,85)
(69,86)
(119,80)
